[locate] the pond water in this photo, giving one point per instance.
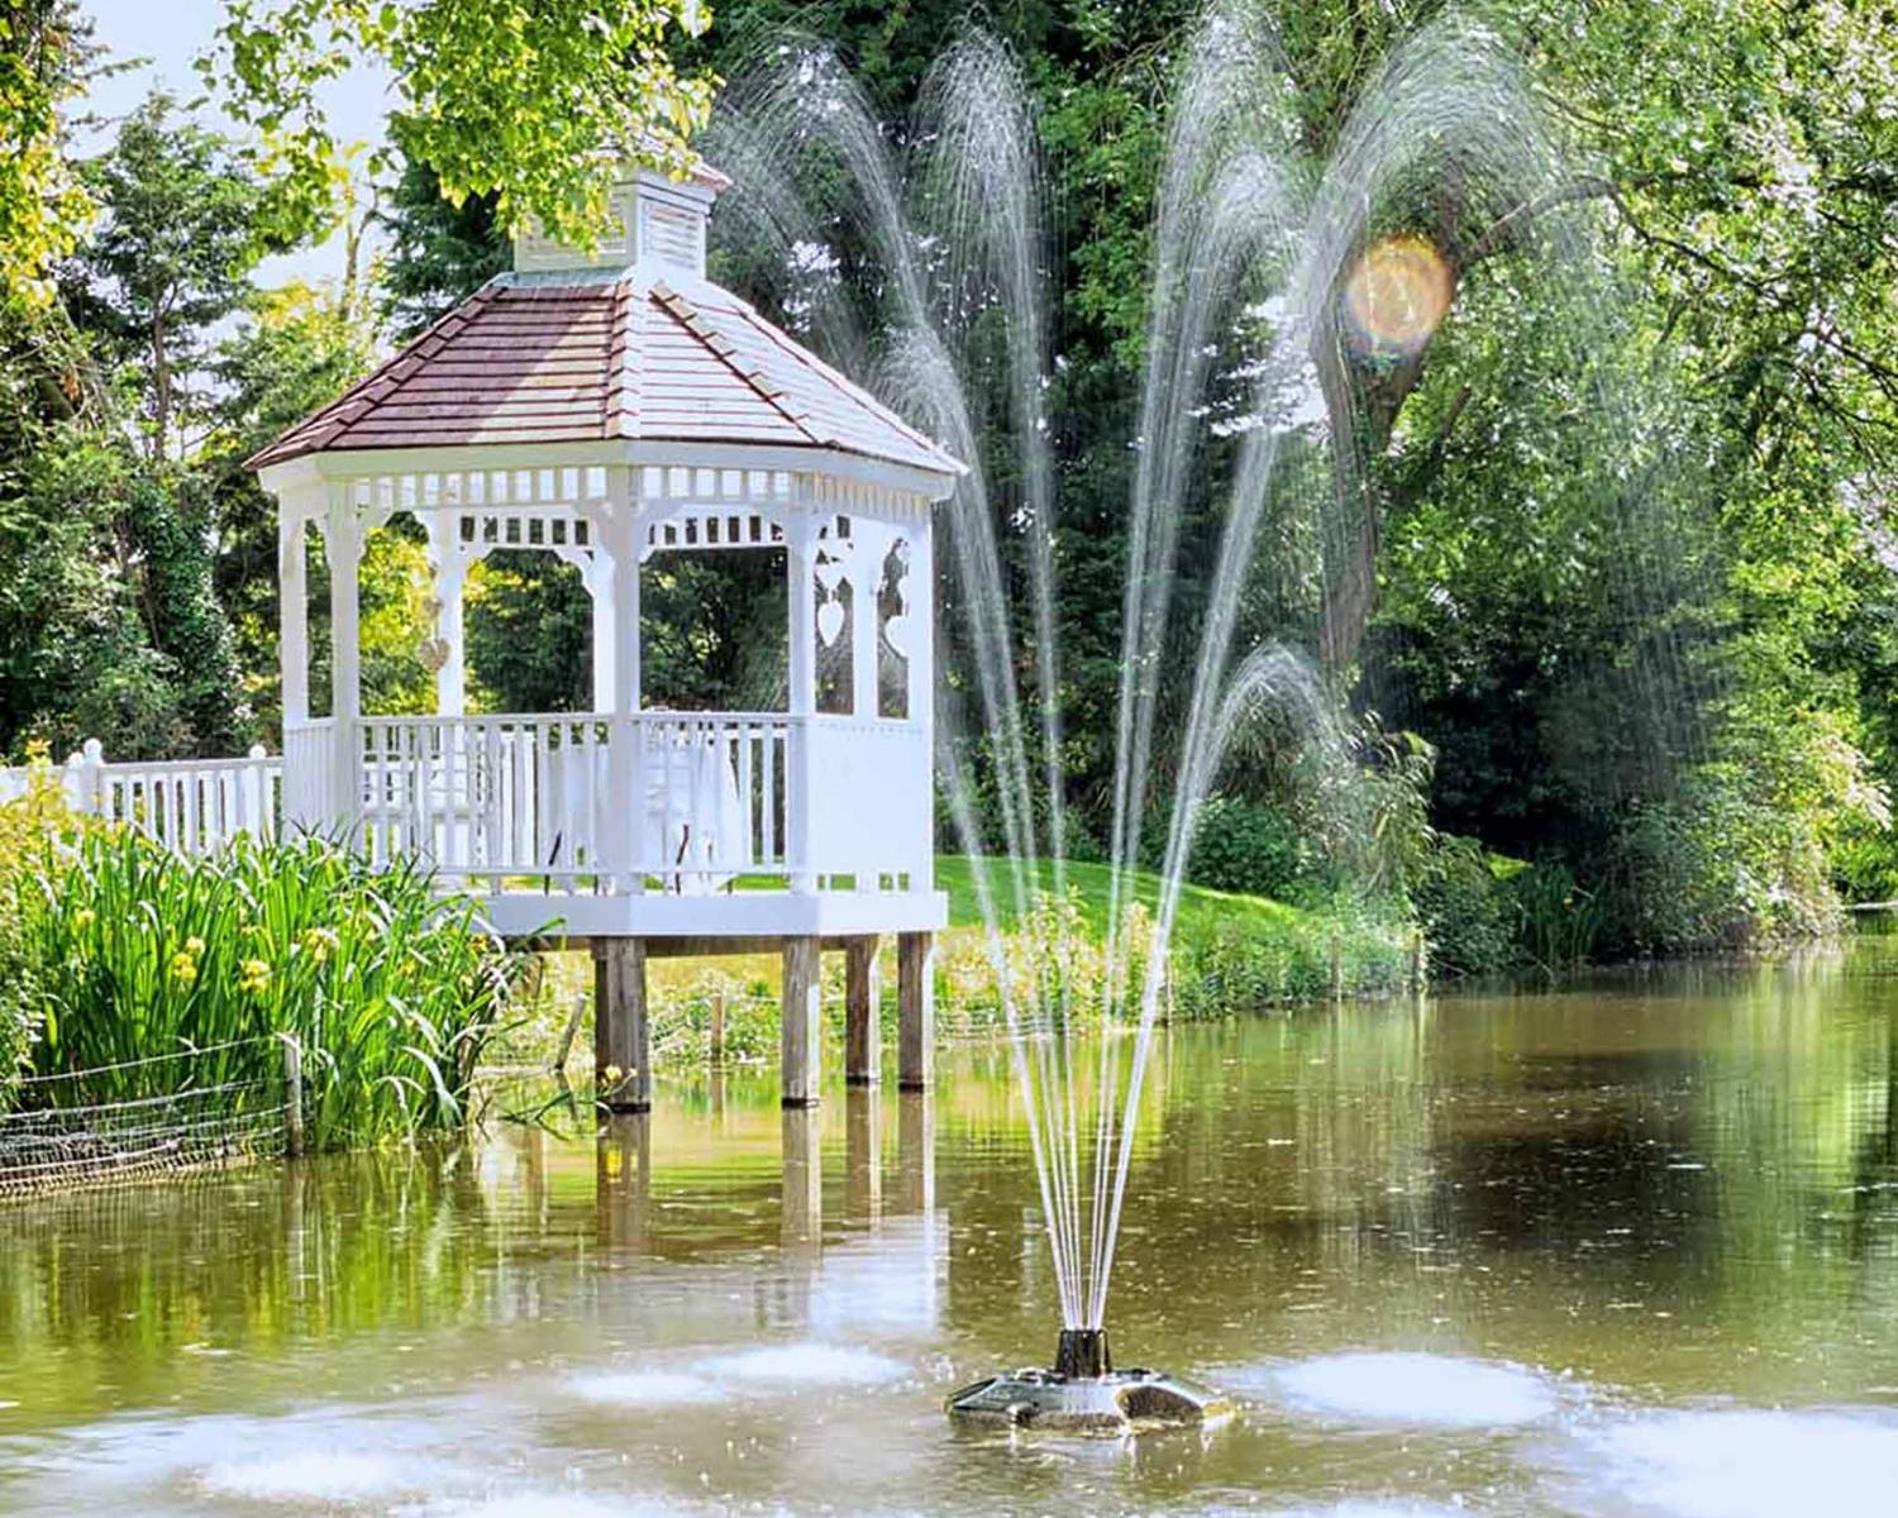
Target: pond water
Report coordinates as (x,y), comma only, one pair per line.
(1627,1249)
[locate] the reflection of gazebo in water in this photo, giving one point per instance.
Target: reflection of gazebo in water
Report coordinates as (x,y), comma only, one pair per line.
(602,409)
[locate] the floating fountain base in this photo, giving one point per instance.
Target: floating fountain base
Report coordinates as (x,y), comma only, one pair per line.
(1084,1394)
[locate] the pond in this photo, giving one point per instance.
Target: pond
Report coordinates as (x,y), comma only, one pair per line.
(1629,1248)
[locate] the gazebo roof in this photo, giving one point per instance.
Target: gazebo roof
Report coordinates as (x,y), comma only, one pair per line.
(591,355)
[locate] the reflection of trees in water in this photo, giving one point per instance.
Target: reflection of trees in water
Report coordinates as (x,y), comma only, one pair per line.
(105,1287)
(1679,1142)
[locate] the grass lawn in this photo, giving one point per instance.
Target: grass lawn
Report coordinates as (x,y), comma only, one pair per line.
(1200,909)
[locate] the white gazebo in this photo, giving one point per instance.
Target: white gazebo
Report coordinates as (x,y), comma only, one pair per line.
(604,408)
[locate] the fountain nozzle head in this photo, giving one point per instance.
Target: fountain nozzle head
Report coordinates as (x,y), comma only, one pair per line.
(1081,1354)
(1084,1394)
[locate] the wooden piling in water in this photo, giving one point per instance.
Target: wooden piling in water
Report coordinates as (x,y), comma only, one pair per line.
(863,1034)
(916,1010)
(801,1033)
(293,1137)
(622,1037)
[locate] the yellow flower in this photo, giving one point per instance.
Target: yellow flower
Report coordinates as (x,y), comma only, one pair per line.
(184,969)
(253,977)
(317,943)
(194,946)
(612,1073)
(84,918)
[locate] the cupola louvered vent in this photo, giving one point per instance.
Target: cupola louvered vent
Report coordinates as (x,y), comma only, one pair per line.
(656,221)
(673,236)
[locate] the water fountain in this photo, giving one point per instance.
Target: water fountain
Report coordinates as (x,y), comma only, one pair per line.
(1251,240)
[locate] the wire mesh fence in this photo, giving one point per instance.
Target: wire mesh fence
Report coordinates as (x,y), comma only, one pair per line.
(172,1114)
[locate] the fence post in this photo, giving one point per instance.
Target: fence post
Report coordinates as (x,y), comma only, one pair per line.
(292,1097)
(253,816)
(567,1033)
(85,778)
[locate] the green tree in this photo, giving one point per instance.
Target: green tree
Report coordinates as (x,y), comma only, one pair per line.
(44,49)
(517,100)
(184,223)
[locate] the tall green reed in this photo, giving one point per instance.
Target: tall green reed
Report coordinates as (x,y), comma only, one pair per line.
(390,990)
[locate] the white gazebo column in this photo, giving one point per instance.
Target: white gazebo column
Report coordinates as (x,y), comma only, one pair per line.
(919,619)
(617,534)
(916,952)
(293,618)
(596,574)
(800,560)
(451,582)
(342,540)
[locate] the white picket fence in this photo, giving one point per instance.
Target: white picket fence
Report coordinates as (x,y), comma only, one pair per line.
(190,805)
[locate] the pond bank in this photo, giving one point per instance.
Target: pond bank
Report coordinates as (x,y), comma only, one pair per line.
(1231,954)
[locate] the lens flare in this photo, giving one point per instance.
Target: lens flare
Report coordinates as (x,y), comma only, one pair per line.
(1396,295)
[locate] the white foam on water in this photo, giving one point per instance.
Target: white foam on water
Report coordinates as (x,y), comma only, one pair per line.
(554,1505)
(1372,1509)
(1745,1463)
(647,1388)
(1406,1390)
(800,1365)
(311,1476)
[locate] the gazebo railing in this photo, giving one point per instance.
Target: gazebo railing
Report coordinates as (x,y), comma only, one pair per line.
(690,800)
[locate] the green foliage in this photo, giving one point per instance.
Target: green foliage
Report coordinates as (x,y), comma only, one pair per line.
(136,952)
(517,100)
(43,204)
(26,823)
(440,251)
(1250,848)
(1560,922)
(1466,909)
(184,223)
(1230,952)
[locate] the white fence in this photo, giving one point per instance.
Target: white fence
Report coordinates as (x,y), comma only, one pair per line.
(190,805)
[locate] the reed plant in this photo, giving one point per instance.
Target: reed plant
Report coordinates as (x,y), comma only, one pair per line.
(389,990)
(27,823)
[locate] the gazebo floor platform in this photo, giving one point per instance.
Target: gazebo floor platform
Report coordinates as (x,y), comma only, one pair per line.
(623,932)
(739,914)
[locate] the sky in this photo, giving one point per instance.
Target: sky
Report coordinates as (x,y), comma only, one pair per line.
(166,35)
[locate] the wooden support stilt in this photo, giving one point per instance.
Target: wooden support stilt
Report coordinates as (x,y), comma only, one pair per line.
(622,1056)
(863,997)
(801,1032)
(916,1009)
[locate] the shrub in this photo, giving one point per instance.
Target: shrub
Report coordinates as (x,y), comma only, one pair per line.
(1250,848)
(1716,870)
(135,952)
(1558,922)
(1232,971)
(1468,912)
(1053,956)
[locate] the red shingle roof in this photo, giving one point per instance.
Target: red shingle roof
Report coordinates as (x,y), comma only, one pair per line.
(587,360)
